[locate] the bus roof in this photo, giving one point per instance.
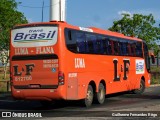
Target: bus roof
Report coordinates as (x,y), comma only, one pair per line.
(89,29)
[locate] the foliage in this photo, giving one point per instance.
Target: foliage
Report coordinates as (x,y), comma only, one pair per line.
(9,17)
(155,75)
(4,58)
(155,69)
(140,26)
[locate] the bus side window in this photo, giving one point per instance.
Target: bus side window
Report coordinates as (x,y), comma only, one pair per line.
(146,56)
(95,44)
(120,48)
(104,45)
(80,40)
(139,49)
(124,49)
(110,47)
(129,49)
(133,47)
(100,44)
(70,41)
(90,43)
(116,47)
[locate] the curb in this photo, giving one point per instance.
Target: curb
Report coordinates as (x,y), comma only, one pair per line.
(155,85)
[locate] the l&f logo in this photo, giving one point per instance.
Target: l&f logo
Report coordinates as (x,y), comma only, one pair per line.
(28,70)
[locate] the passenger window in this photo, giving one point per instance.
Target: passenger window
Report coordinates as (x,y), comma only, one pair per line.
(139,49)
(133,51)
(120,48)
(101,43)
(116,47)
(124,48)
(91,43)
(80,40)
(70,41)
(129,49)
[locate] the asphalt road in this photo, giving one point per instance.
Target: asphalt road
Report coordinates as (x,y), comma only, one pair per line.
(116,105)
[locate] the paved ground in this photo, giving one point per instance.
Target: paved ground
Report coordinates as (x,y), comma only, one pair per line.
(115,105)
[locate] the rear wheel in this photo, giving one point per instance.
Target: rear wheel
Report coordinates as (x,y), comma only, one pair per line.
(141,89)
(89,97)
(100,95)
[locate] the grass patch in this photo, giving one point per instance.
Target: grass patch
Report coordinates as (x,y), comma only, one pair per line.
(155,69)
(155,75)
(3,87)
(3,81)
(155,78)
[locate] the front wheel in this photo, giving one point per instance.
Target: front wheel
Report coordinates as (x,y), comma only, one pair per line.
(89,97)
(100,95)
(141,89)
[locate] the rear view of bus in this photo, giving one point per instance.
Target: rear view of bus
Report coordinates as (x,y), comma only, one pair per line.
(34,61)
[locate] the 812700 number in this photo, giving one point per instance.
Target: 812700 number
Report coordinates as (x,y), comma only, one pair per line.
(26,78)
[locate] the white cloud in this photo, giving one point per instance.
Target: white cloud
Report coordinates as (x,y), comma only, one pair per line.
(30,20)
(124,12)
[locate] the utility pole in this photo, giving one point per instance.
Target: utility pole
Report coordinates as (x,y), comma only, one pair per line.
(57,10)
(42,9)
(158,53)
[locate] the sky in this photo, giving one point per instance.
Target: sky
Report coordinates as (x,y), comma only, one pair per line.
(96,13)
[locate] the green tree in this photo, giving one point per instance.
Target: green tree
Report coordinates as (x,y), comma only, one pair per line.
(9,17)
(140,26)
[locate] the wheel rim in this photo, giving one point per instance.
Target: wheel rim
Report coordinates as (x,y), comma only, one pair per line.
(141,86)
(101,94)
(89,96)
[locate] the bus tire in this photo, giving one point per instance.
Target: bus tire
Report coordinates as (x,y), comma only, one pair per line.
(141,89)
(100,95)
(87,102)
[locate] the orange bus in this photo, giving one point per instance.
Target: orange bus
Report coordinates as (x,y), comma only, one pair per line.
(57,61)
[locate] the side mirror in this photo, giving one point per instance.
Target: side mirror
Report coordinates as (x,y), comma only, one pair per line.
(153,59)
(151,54)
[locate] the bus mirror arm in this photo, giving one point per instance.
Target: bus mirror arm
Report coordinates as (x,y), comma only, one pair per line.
(153,59)
(151,54)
